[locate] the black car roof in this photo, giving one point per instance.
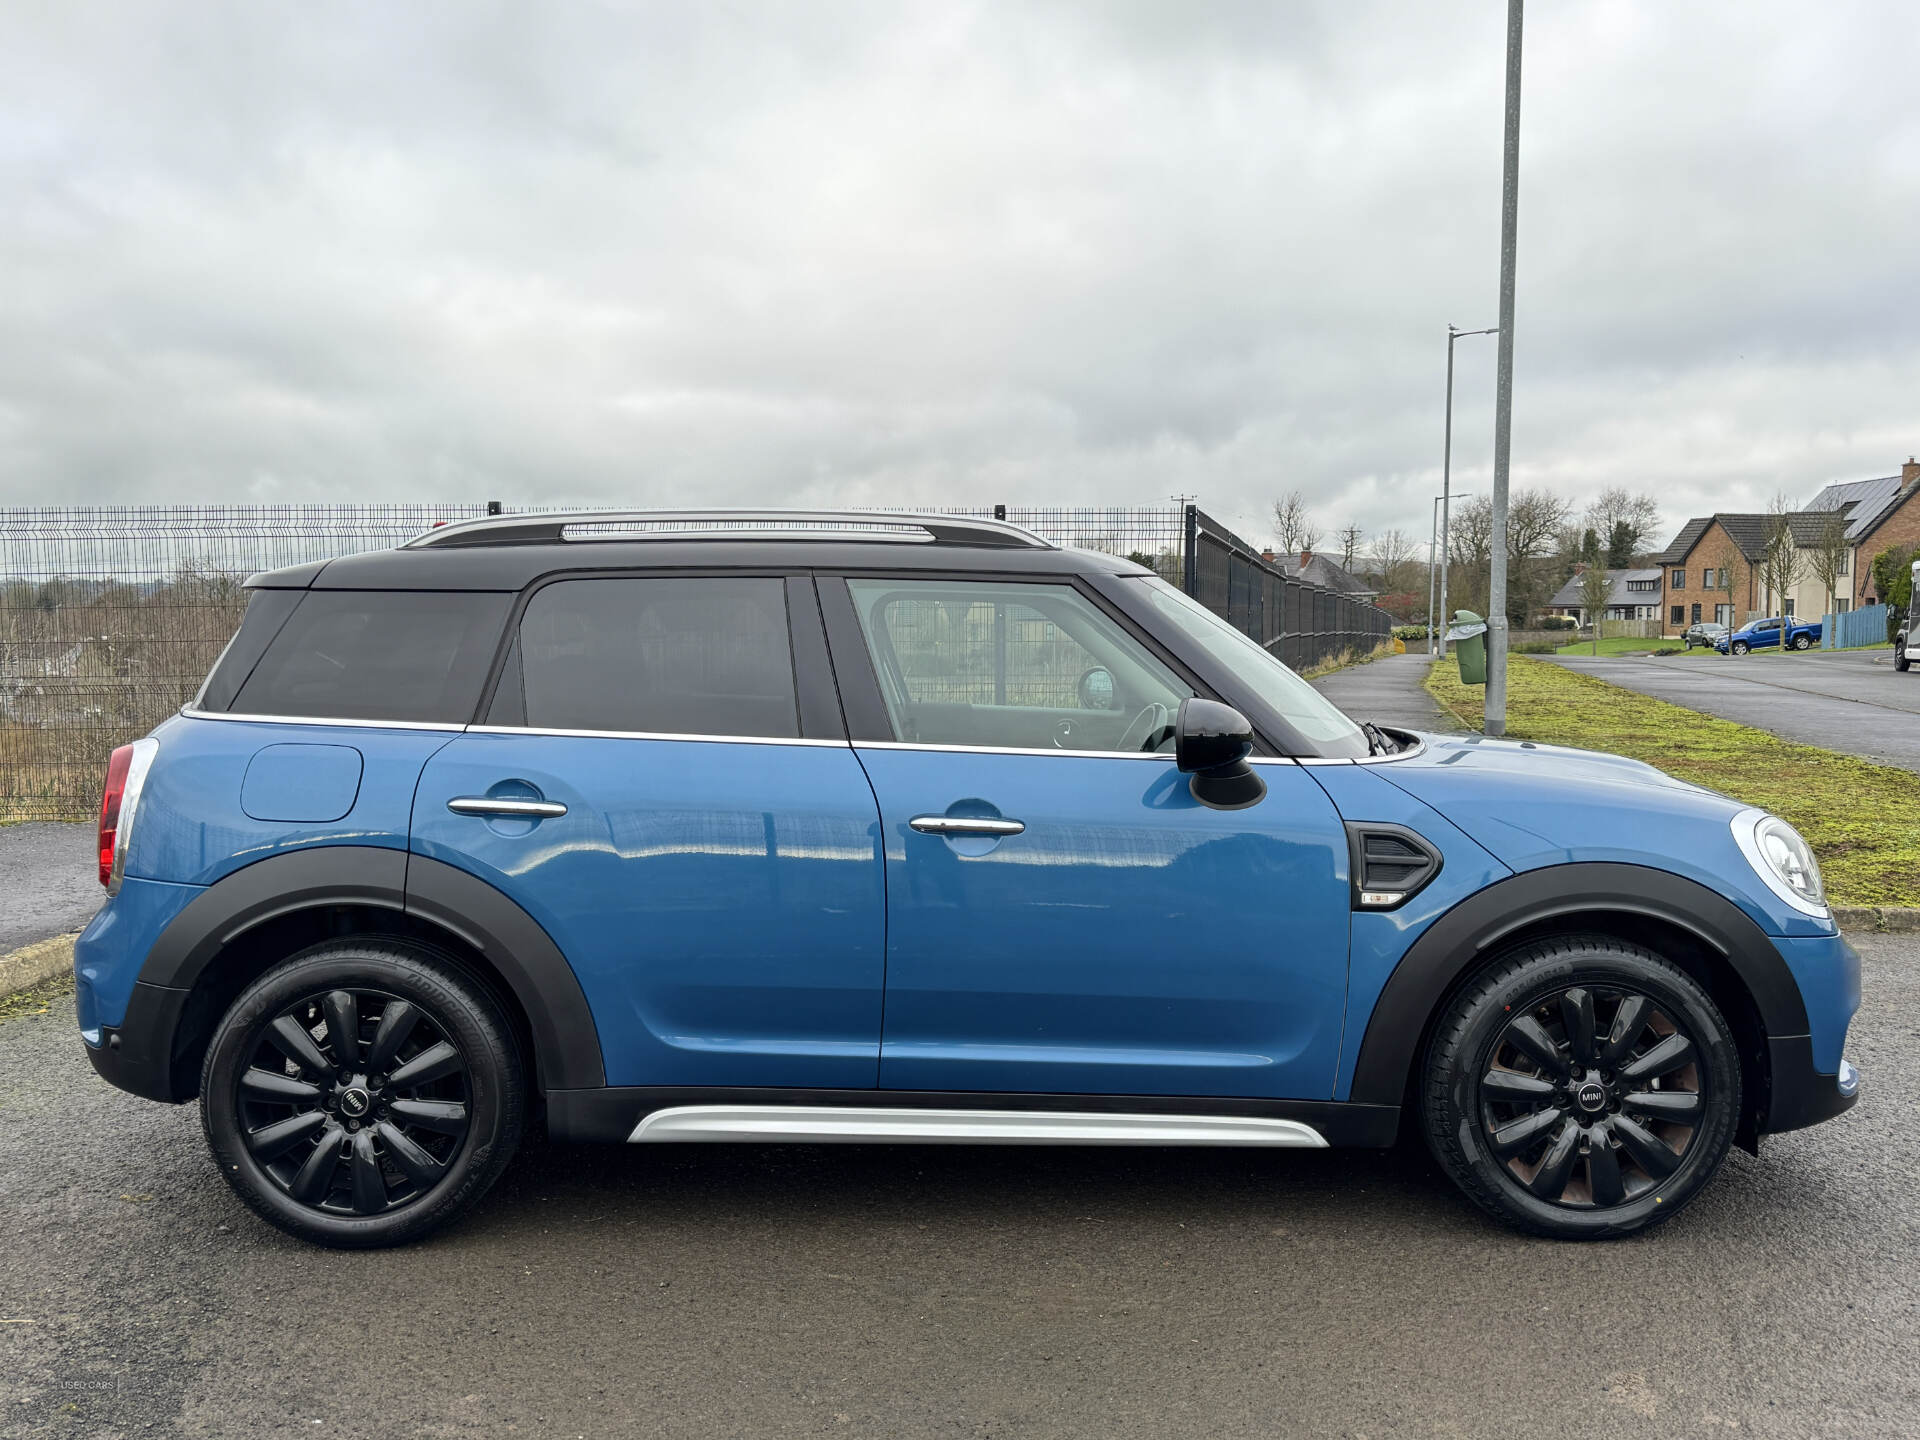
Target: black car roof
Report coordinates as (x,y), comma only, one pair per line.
(509,552)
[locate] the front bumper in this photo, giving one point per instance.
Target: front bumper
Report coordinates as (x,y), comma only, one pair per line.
(1801,1095)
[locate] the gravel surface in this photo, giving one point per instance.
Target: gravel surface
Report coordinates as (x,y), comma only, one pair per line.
(718,1291)
(49,881)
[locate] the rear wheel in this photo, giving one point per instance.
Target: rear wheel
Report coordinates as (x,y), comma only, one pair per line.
(1802,642)
(1581,1088)
(362,1094)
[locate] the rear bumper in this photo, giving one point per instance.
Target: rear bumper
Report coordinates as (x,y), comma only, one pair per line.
(136,1056)
(1802,1095)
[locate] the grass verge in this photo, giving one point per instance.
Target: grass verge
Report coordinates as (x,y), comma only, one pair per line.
(1615,645)
(36,999)
(1862,819)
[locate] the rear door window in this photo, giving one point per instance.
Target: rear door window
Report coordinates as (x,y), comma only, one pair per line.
(414,655)
(691,655)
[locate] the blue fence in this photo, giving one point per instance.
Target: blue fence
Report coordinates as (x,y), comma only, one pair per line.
(1865,626)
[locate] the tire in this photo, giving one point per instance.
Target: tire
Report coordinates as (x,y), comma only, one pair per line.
(1544,1175)
(1900,661)
(1739,647)
(433,1142)
(1802,642)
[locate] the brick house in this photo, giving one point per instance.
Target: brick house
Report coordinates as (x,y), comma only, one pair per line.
(1880,514)
(1692,566)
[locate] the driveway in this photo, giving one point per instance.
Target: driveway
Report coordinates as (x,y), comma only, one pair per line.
(1840,699)
(708,1291)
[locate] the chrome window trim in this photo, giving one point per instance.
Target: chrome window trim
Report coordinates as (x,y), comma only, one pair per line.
(1166,755)
(445,727)
(653,735)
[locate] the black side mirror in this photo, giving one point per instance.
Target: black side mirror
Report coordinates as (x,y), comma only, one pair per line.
(1211,743)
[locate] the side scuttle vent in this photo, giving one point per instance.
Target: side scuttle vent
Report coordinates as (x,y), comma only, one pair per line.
(1391,864)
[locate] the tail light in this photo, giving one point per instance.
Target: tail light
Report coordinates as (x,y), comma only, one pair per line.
(126,774)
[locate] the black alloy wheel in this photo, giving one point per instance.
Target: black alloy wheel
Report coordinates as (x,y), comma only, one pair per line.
(1581,1087)
(355,1101)
(1592,1096)
(363,1093)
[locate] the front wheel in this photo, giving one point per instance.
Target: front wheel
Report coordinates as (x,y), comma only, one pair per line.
(1739,647)
(362,1093)
(1900,661)
(1581,1088)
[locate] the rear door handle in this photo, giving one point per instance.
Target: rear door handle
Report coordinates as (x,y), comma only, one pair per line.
(506,805)
(964,825)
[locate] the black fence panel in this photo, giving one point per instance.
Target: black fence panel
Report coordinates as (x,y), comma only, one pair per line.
(110,616)
(1302,623)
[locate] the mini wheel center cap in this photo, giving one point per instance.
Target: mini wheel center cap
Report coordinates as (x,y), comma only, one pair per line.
(355,1103)
(1591,1096)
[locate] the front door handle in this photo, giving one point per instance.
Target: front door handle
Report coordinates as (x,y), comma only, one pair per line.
(506,805)
(964,825)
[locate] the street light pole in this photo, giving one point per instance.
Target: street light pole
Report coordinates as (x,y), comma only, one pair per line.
(1496,700)
(1433,557)
(1446,479)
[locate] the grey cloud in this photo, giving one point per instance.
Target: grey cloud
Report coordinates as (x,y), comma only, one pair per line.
(878,253)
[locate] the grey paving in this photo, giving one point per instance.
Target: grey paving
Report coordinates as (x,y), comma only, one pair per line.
(1388,691)
(1848,700)
(49,882)
(847,1291)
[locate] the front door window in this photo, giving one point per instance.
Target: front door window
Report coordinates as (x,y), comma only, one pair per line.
(1013,666)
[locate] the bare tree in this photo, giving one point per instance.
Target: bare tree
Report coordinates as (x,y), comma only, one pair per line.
(1617,506)
(1294,530)
(1827,558)
(1731,577)
(1395,554)
(1534,520)
(1595,587)
(1780,561)
(1349,538)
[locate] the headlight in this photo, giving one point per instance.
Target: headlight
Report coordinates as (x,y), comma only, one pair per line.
(1781,858)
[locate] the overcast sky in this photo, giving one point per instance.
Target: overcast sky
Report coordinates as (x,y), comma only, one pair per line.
(938,252)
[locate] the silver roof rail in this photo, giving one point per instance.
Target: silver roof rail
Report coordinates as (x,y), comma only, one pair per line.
(810,525)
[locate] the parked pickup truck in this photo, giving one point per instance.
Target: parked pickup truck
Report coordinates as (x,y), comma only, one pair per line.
(1764,634)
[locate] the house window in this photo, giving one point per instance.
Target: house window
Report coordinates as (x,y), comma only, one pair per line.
(1696,614)
(1679,615)
(1723,614)
(1841,605)
(1707,579)
(1679,579)
(1789,607)
(1846,561)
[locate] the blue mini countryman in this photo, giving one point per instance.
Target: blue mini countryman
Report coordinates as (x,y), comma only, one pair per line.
(813,827)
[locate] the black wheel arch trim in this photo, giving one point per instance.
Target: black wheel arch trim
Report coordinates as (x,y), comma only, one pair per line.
(567,1050)
(1459,940)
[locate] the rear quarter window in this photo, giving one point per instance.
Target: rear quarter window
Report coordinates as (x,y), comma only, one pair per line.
(410,655)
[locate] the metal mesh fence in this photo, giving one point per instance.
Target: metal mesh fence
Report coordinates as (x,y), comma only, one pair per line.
(110,616)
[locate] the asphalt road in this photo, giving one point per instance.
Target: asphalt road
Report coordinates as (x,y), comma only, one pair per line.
(853,1291)
(1841,699)
(49,881)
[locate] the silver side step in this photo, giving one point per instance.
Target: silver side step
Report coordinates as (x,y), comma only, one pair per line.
(837,1124)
